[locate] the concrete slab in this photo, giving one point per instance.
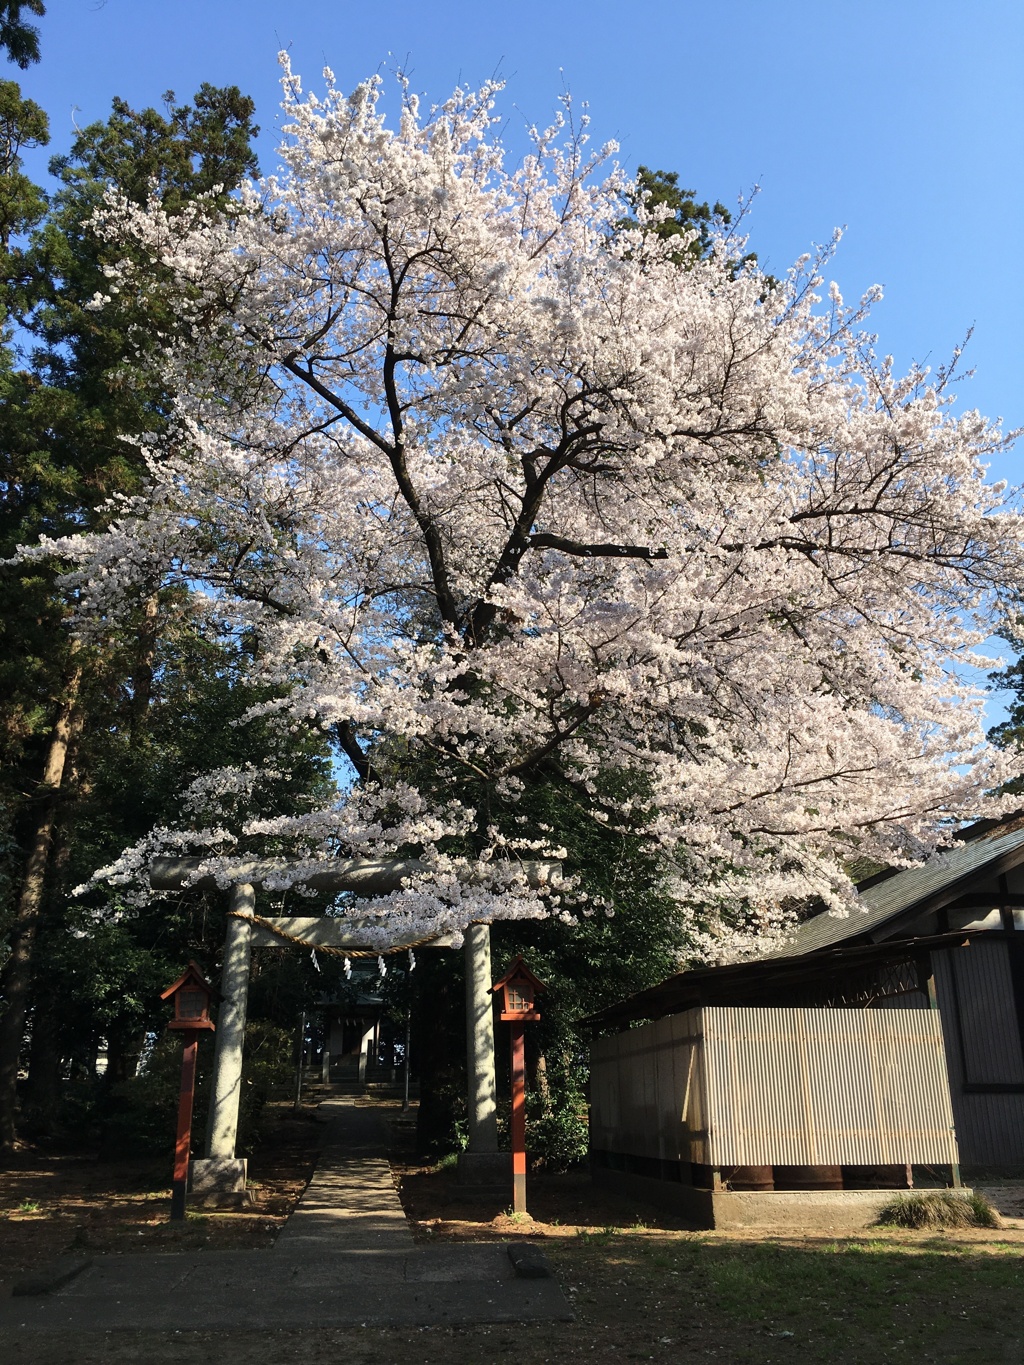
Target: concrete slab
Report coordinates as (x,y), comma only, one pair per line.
(346,1257)
(1006,1197)
(51,1277)
(755,1210)
(265,1290)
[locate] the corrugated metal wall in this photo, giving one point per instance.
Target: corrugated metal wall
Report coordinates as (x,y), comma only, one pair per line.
(727,1086)
(975,993)
(827,1087)
(647,1091)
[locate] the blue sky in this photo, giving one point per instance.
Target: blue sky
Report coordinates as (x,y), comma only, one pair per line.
(901,121)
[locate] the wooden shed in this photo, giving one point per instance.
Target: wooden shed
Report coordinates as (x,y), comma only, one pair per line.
(772,1116)
(942,944)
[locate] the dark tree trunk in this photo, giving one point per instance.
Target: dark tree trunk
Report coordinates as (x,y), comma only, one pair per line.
(439,1043)
(16,985)
(142,677)
(539,1080)
(125,1042)
(42,1094)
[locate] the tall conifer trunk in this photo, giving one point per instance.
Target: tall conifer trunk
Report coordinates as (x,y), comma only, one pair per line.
(17,976)
(142,676)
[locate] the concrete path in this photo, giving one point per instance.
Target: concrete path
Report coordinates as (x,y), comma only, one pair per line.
(351,1203)
(346,1257)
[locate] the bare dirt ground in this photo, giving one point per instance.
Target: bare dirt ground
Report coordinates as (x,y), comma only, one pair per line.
(52,1203)
(643,1288)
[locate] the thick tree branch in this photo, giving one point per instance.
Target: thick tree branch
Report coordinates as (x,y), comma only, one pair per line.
(544,750)
(347,411)
(545,540)
(346,736)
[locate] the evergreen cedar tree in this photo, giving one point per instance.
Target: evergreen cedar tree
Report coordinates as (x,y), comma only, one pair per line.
(133,717)
(20,38)
(1009,734)
(512,495)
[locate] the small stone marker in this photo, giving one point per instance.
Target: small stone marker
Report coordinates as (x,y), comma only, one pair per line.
(528,1261)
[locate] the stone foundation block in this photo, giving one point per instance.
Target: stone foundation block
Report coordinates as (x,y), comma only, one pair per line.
(218,1179)
(484,1176)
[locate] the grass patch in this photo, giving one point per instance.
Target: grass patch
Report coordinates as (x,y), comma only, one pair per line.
(940,1209)
(601,1238)
(672,1297)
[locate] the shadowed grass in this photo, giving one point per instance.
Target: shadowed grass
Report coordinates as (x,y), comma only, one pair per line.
(675,1297)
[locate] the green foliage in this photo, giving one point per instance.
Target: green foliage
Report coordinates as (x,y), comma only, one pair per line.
(190,150)
(158,702)
(631,940)
(438,999)
(23,125)
(139,1116)
(71,409)
(618,933)
(20,38)
(267,1073)
(557,1127)
(689,221)
(1009,734)
(107,399)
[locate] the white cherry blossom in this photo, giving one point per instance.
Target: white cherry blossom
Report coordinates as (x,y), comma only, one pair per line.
(497,485)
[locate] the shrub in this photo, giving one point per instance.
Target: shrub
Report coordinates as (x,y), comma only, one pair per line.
(557,1137)
(941,1209)
(557,1123)
(138,1117)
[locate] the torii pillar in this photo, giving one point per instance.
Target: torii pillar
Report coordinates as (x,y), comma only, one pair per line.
(221,1174)
(484,1172)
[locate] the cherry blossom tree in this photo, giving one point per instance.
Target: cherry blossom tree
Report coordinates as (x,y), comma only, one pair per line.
(505,492)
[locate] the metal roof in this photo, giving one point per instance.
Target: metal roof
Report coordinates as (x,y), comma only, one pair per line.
(934,883)
(829,946)
(747,983)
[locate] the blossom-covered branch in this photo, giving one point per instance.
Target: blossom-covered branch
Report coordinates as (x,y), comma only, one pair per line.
(510,492)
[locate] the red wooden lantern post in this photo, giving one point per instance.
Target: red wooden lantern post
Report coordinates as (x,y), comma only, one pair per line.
(192,995)
(520,988)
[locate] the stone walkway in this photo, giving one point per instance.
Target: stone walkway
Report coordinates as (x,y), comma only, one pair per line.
(346,1257)
(351,1203)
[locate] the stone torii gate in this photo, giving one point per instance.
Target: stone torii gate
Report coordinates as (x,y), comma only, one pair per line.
(221,1172)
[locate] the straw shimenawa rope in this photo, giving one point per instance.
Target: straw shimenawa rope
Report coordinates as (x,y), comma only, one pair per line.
(329,949)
